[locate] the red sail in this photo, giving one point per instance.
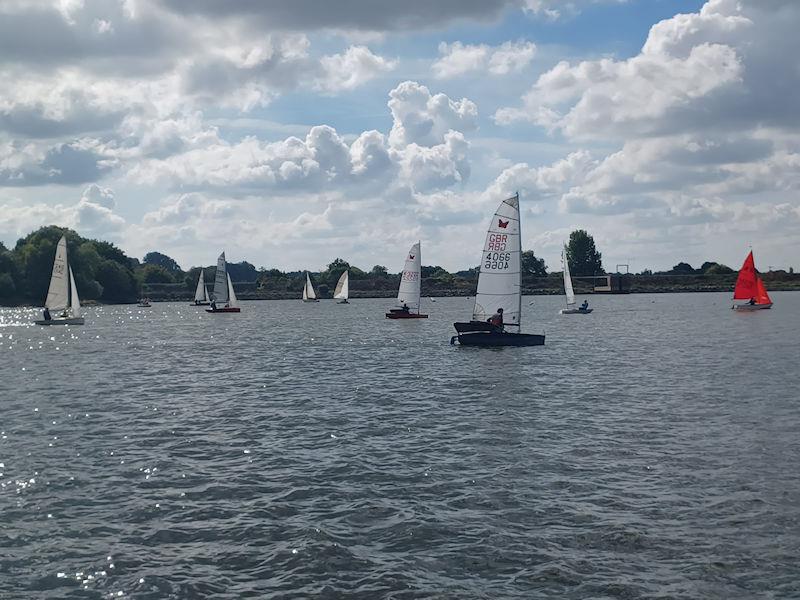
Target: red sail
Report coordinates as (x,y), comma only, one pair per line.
(762,297)
(746,282)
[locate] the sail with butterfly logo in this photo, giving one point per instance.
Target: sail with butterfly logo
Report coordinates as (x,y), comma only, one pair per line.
(498,301)
(62,306)
(408,295)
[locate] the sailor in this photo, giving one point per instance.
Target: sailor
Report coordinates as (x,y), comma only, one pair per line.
(213,305)
(752,302)
(47,316)
(496,320)
(405,308)
(585,305)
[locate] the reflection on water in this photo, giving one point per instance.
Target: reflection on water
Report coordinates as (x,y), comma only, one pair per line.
(650,449)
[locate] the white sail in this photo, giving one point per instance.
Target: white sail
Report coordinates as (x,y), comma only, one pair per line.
(499,280)
(58,292)
(232,301)
(308,290)
(570,293)
(74,300)
(342,291)
(410,279)
(200,294)
(221,281)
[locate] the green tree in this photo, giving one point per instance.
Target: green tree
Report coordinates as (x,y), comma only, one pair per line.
(582,256)
(162,260)
(717,269)
(334,270)
(8,288)
(118,282)
(682,268)
(379,271)
(532,266)
(151,273)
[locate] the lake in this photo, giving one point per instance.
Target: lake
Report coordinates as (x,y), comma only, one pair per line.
(648,450)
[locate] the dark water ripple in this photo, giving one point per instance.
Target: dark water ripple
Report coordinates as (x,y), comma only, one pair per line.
(649,450)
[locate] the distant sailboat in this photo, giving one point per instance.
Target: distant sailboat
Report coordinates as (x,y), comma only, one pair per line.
(62,295)
(224,298)
(408,295)
(749,286)
(201,292)
(309,295)
(569,293)
(499,286)
(342,291)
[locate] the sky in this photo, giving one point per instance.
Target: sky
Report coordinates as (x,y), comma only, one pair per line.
(292,132)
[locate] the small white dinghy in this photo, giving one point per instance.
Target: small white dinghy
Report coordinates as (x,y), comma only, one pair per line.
(569,293)
(342,291)
(309,295)
(62,295)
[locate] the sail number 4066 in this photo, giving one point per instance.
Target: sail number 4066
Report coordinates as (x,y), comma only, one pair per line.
(496,260)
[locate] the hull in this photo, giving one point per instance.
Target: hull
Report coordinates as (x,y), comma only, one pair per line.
(748,307)
(399,314)
(310,300)
(342,302)
(224,310)
(71,321)
(575,311)
(199,303)
(476,333)
(140,305)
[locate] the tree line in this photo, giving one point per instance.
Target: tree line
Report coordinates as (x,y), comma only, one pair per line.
(104,273)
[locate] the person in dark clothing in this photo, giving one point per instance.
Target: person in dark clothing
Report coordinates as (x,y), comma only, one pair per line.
(585,305)
(496,320)
(405,308)
(213,305)
(752,302)
(47,316)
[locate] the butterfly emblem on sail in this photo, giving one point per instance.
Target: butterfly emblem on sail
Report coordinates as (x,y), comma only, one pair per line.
(502,224)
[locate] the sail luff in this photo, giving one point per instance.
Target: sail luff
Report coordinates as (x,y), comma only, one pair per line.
(499,279)
(568,291)
(221,280)
(410,279)
(58,292)
(746,281)
(342,290)
(74,301)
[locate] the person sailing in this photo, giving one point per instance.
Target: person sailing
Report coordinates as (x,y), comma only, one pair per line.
(214,304)
(585,304)
(47,315)
(496,321)
(405,308)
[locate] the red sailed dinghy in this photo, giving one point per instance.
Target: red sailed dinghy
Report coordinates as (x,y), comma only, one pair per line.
(750,287)
(408,296)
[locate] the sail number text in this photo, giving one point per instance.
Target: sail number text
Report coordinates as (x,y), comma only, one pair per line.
(497,242)
(496,260)
(410,275)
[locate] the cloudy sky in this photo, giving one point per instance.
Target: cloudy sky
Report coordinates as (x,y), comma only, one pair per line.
(291,132)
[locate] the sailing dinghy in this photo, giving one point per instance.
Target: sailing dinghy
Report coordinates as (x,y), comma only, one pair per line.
(62,295)
(201,292)
(571,308)
(309,295)
(749,286)
(224,298)
(408,295)
(499,286)
(342,291)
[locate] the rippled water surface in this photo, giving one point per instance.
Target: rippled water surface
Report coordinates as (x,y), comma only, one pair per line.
(649,450)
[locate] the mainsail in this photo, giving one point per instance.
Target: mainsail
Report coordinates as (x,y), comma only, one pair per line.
(499,280)
(221,281)
(232,301)
(342,291)
(58,292)
(410,280)
(746,286)
(200,293)
(570,293)
(308,290)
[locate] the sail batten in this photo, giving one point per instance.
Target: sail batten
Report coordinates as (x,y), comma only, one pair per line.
(221,280)
(499,279)
(410,280)
(342,291)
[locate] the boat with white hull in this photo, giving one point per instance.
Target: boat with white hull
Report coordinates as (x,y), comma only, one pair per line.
(62,306)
